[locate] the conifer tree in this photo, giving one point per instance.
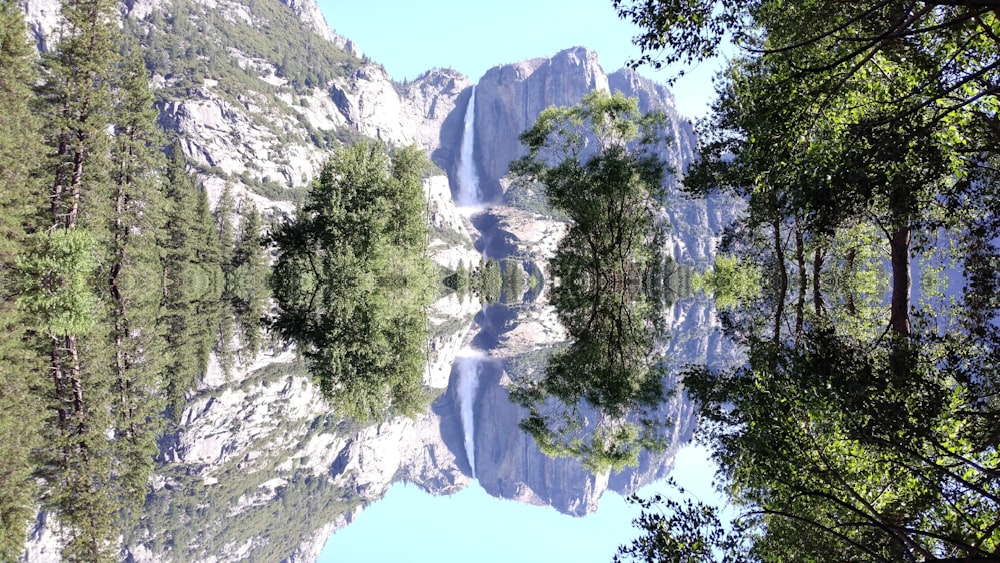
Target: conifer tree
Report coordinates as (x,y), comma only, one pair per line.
(19,201)
(177,243)
(77,88)
(225,210)
(138,172)
(248,283)
(137,347)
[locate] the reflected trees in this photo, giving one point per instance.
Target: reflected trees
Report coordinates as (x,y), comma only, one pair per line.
(844,438)
(597,399)
(863,425)
(353,282)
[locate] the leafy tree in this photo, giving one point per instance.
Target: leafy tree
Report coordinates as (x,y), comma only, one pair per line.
(353,283)
(597,399)
(681,530)
(822,171)
(952,46)
(730,281)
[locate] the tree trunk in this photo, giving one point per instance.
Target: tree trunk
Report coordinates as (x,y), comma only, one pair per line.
(779,255)
(800,262)
(817,281)
(899,250)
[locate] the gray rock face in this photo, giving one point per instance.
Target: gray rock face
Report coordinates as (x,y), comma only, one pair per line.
(274,133)
(510,97)
(510,465)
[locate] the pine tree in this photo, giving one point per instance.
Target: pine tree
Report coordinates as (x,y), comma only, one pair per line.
(20,136)
(225,210)
(248,282)
(137,347)
(19,201)
(178,234)
(77,88)
(138,172)
(208,247)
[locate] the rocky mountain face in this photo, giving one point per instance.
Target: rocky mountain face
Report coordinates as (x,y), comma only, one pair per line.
(510,97)
(257,467)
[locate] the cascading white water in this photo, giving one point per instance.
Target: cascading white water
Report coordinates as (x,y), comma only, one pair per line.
(468,383)
(468,179)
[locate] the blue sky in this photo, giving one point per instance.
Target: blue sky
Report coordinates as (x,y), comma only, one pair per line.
(410,37)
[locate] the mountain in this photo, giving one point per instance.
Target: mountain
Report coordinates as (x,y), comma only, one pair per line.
(510,97)
(257,92)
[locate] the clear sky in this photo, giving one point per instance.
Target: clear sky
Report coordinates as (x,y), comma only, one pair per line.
(410,37)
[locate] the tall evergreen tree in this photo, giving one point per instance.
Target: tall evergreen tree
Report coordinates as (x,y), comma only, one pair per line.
(20,200)
(225,210)
(137,346)
(138,173)
(77,88)
(178,235)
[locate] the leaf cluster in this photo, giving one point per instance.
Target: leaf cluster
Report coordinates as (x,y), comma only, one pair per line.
(353,282)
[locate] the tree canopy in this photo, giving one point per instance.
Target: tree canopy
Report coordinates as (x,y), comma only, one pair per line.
(353,282)
(597,399)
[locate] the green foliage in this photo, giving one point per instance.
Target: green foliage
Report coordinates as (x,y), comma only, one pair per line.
(678,280)
(731,282)
(512,286)
(353,282)
(78,102)
(864,430)
(58,276)
(190,520)
(20,427)
(108,255)
(487,281)
(597,399)
(192,44)
(247,282)
(681,530)
(460,280)
(21,210)
(21,197)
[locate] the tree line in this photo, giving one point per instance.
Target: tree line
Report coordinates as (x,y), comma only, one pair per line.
(109,253)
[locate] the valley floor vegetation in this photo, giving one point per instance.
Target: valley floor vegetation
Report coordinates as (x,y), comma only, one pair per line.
(353,281)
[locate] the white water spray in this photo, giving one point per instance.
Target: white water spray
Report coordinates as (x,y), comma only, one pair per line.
(468,179)
(468,383)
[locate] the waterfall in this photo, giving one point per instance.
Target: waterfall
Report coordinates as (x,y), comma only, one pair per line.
(468,383)
(468,180)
